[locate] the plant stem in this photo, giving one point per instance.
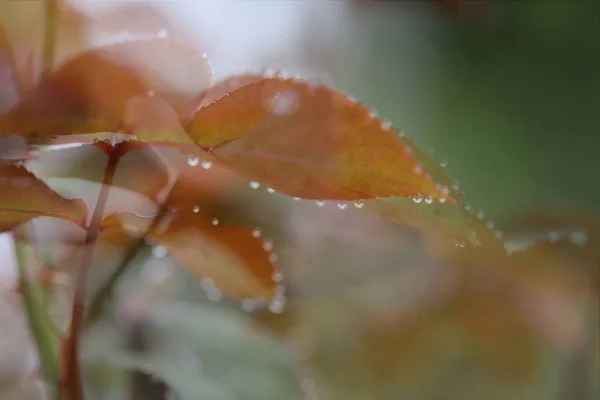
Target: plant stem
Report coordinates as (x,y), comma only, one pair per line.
(51,8)
(97,303)
(71,378)
(40,323)
(105,291)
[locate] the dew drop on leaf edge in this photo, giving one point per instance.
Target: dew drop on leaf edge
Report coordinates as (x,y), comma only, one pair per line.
(206,164)
(193,161)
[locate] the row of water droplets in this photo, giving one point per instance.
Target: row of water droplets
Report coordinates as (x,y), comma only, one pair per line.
(417,199)
(194,161)
(213,293)
(320,203)
(277,303)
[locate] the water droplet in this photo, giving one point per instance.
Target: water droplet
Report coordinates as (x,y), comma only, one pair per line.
(342,206)
(468,208)
(297,198)
(285,104)
(490,224)
(273,258)
(214,295)
(256,233)
(320,203)
(163,33)
(270,190)
(417,199)
(156,273)
(193,161)
(417,169)
(386,125)
(402,134)
(373,114)
(206,164)
(480,214)
(207,284)
(428,200)
(151,93)
(359,204)
(254,185)
(268,246)
(196,209)
(159,251)
(248,305)
(499,234)
(461,244)
(443,163)
(442,200)
(277,305)
(215,221)
(277,276)
(553,237)
(578,238)
(455,185)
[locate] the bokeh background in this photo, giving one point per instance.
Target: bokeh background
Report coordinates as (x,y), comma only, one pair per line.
(506,93)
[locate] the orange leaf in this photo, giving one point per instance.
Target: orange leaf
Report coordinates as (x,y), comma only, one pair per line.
(91,92)
(315,143)
(237,262)
(23,197)
(310,142)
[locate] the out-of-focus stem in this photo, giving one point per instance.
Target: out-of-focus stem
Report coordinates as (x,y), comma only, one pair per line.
(40,323)
(72,386)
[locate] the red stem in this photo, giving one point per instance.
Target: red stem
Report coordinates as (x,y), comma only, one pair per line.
(71,383)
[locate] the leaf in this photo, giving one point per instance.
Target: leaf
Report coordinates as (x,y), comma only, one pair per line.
(473,314)
(201,352)
(140,169)
(91,92)
(315,143)
(236,262)
(308,141)
(138,20)
(23,197)
(24,24)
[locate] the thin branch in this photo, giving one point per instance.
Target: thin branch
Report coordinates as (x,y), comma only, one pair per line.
(40,323)
(97,303)
(71,377)
(104,293)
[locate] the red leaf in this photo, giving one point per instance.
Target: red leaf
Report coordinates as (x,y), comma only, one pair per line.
(91,92)
(23,197)
(237,262)
(310,142)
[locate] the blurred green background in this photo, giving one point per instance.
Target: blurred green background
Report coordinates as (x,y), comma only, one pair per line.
(508,92)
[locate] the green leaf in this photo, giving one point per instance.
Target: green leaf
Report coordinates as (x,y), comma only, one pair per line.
(201,352)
